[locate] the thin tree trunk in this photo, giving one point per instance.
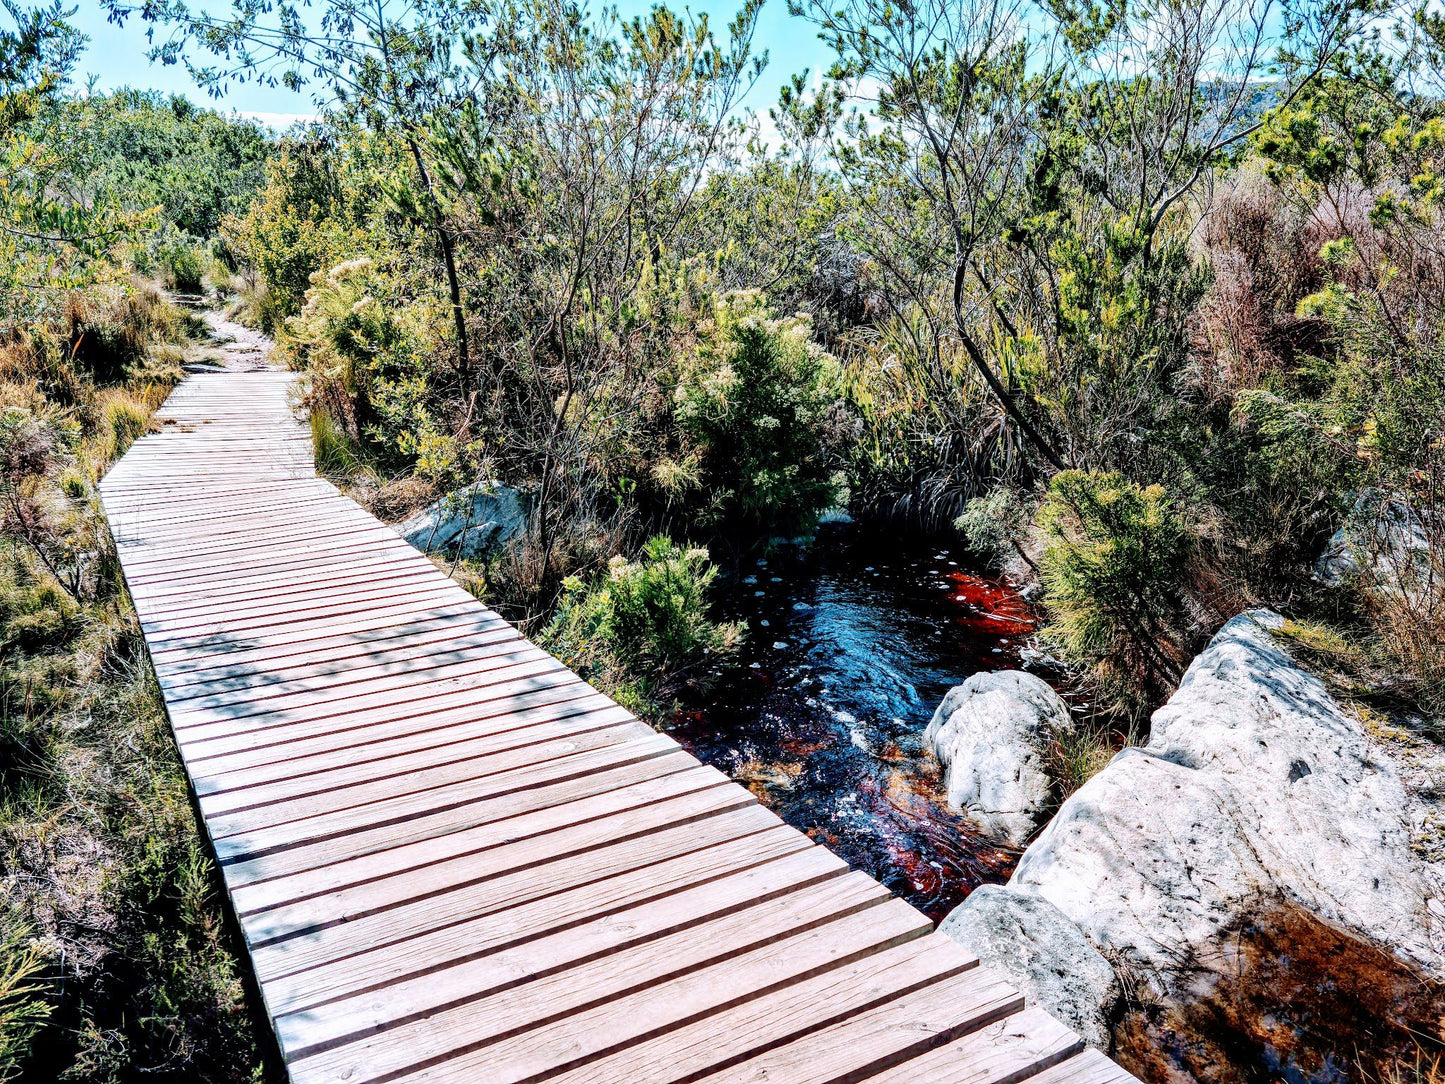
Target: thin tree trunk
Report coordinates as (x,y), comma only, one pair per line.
(1010,406)
(448,246)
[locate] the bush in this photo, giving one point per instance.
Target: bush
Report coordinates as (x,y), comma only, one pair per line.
(997,524)
(642,630)
(752,405)
(337,455)
(180,260)
(123,421)
(1113,567)
(298,224)
(370,359)
(22,1007)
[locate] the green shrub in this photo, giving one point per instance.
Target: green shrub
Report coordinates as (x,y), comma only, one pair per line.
(997,524)
(299,224)
(123,421)
(181,265)
(642,630)
(369,360)
(1113,567)
(336,452)
(22,1006)
(752,404)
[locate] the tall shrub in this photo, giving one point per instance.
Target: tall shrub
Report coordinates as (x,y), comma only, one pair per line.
(1116,557)
(752,406)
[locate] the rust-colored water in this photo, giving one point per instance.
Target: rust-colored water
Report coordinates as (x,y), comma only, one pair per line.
(1290,998)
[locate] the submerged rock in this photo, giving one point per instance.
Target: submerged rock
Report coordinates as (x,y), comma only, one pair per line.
(468,522)
(1254,788)
(991,733)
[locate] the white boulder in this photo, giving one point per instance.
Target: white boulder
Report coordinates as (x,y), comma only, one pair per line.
(468,522)
(1386,542)
(1254,788)
(991,733)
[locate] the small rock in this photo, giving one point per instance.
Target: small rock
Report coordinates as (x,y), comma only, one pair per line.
(1385,541)
(990,733)
(468,522)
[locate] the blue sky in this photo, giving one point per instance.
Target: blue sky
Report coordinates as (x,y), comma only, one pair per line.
(116,57)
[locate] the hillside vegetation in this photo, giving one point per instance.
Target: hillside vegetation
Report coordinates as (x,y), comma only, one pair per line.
(1146,302)
(116,962)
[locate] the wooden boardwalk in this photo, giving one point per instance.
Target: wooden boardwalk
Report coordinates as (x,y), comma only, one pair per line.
(453,860)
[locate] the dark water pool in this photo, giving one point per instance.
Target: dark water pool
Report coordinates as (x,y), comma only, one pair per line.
(851,645)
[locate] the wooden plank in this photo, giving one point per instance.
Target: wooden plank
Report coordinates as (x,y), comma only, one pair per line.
(887,1035)
(305,820)
(1090,1067)
(307,868)
(484,1041)
(358,783)
(567,927)
(457,838)
(335,927)
(1005,1052)
(218,770)
(230,751)
(527,985)
(387,754)
(349,690)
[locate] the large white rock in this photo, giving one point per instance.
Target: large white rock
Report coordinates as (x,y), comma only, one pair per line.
(991,733)
(468,522)
(1255,787)
(1045,955)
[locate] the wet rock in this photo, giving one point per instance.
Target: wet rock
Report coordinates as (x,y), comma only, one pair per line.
(468,522)
(1255,788)
(991,734)
(1385,542)
(1045,955)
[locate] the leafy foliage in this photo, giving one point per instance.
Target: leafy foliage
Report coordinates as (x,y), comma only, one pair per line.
(642,630)
(1115,560)
(752,402)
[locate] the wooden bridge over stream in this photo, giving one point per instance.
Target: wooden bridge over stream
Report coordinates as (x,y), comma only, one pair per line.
(453,860)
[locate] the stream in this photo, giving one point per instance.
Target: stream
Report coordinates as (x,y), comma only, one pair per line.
(851,643)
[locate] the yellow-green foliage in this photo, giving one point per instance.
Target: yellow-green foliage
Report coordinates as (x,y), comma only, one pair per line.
(1116,556)
(124,419)
(299,224)
(23,1008)
(643,628)
(751,402)
(337,455)
(370,359)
